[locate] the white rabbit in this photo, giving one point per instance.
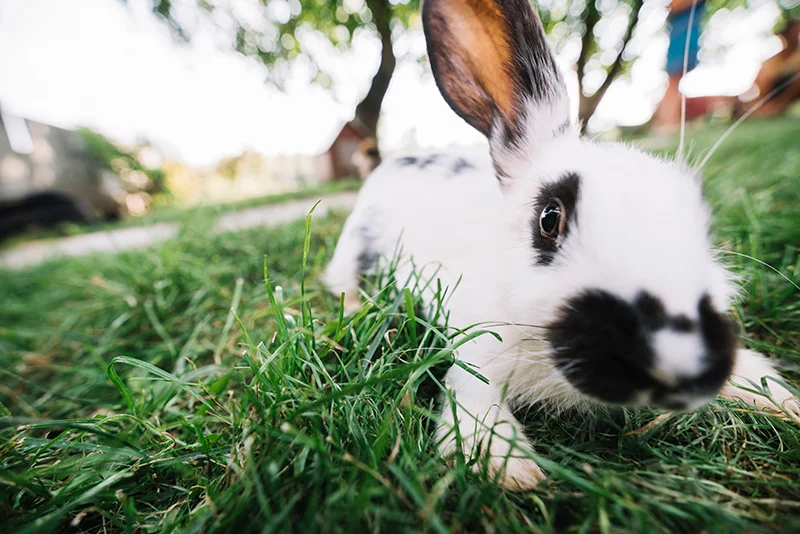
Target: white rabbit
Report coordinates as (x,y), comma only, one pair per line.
(594,257)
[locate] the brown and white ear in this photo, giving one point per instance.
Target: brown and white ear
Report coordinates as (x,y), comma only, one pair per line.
(493,66)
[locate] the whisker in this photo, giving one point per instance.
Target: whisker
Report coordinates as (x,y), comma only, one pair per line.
(503,323)
(522,360)
(519,329)
(521,350)
(540,353)
(765,264)
(534,341)
(566,369)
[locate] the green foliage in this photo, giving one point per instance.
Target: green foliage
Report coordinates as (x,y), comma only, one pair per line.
(603,30)
(120,161)
(187,388)
(790,9)
(171,213)
(590,23)
(278,32)
(275,31)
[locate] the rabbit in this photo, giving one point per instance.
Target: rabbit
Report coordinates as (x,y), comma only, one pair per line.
(592,261)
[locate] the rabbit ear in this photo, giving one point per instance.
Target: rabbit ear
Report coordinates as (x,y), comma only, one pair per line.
(493,66)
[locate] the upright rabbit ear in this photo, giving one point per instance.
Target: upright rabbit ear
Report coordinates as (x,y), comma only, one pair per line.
(493,66)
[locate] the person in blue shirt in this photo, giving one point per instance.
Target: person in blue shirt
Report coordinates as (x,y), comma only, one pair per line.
(684,25)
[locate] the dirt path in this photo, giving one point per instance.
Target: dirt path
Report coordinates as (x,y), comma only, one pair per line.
(122,239)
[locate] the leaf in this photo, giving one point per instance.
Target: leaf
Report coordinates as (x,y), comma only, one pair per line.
(152,369)
(123,389)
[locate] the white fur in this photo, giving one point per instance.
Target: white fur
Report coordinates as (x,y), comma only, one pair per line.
(751,367)
(641,226)
(680,356)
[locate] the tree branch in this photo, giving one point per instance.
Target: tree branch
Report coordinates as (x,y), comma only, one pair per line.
(592,16)
(589,104)
(368,110)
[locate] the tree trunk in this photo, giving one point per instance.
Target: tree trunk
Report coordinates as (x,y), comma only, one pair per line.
(588,104)
(591,18)
(369,110)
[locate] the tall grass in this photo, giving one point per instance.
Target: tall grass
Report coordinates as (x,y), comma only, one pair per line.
(211,385)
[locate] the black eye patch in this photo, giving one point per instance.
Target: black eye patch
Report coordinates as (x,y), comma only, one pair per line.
(565,190)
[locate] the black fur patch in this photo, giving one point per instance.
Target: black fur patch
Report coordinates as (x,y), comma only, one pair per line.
(368,256)
(603,345)
(561,130)
(462,165)
(720,335)
(651,310)
(655,317)
(430,160)
(567,190)
(419,162)
(533,64)
(408,161)
(366,260)
(681,323)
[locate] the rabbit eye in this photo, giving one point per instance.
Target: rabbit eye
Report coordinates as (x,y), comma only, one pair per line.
(553,216)
(551,221)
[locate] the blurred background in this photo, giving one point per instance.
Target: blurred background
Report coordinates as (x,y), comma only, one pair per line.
(162,368)
(127,109)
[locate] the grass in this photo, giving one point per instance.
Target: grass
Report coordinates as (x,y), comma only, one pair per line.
(165,213)
(134,401)
(171,213)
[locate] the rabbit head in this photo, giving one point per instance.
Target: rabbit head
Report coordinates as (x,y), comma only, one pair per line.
(607,250)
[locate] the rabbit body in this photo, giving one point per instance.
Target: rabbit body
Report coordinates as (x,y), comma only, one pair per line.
(440,208)
(592,261)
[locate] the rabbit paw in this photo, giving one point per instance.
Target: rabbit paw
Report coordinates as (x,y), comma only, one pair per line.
(752,367)
(502,456)
(515,474)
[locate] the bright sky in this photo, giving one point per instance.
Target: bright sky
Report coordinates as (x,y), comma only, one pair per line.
(116,69)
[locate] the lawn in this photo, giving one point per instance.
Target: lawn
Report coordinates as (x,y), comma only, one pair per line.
(170,212)
(134,401)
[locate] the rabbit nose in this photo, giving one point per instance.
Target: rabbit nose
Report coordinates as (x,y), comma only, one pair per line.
(692,359)
(682,390)
(636,352)
(678,356)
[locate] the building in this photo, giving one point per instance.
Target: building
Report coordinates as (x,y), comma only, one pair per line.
(337,163)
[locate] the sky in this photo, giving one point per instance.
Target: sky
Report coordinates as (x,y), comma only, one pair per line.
(115,68)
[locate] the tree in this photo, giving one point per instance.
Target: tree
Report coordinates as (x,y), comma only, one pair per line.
(601,29)
(285,26)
